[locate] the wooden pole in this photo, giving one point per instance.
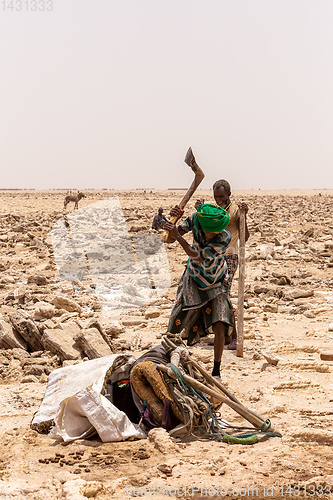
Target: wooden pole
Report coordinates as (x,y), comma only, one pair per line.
(208,377)
(255,420)
(212,380)
(241,282)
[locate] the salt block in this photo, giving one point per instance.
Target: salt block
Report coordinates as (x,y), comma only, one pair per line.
(92,343)
(60,342)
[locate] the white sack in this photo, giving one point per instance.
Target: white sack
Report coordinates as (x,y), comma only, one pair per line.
(88,410)
(73,399)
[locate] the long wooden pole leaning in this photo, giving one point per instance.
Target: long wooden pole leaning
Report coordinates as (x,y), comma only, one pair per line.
(238,407)
(241,283)
(198,176)
(214,381)
(211,379)
(207,376)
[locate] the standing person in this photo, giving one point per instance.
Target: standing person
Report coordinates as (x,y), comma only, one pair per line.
(202,296)
(159,220)
(222,193)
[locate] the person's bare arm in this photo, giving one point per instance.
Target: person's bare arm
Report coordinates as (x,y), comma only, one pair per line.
(177,236)
(177,212)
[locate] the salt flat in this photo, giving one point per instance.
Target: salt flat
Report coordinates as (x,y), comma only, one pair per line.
(288,310)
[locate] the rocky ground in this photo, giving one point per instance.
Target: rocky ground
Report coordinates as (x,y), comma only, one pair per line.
(47,321)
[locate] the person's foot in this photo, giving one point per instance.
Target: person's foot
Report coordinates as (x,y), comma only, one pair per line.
(232,346)
(216,369)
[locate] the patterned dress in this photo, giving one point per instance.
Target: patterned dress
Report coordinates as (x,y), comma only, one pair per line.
(202,296)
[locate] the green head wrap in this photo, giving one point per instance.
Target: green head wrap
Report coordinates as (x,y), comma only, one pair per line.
(212,218)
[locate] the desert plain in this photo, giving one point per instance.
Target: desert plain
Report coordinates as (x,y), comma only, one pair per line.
(288,317)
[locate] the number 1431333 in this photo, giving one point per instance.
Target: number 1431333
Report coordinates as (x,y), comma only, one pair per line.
(26,5)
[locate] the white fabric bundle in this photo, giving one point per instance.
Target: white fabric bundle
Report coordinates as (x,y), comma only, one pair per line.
(74,401)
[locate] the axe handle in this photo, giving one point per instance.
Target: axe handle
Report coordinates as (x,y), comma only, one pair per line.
(198,176)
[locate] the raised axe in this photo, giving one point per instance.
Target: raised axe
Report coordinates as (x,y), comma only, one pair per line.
(198,176)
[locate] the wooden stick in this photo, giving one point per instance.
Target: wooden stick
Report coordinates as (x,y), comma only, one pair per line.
(207,376)
(212,380)
(241,282)
(238,407)
(218,384)
(325,356)
(203,372)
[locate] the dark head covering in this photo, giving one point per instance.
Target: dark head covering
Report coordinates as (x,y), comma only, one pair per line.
(212,218)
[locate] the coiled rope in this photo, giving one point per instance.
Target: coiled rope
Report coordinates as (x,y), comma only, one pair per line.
(200,412)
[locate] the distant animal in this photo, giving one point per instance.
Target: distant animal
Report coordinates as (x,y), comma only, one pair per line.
(74,197)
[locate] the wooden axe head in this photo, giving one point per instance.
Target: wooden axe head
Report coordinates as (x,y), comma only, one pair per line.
(189,157)
(190,161)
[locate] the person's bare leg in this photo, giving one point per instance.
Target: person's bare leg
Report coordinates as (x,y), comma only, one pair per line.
(232,346)
(231,342)
(218,330)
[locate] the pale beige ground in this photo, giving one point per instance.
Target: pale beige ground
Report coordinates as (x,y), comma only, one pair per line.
(296,394)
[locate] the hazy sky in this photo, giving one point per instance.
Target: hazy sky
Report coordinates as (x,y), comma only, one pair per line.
(111,93)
